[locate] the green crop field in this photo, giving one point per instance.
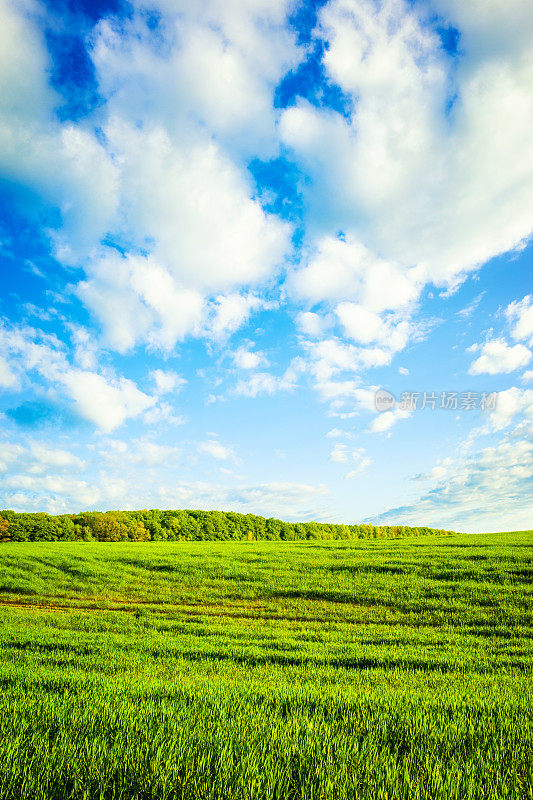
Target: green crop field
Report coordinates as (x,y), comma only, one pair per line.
(334,670)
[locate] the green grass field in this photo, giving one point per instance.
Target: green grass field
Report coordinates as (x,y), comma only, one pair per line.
(331,670)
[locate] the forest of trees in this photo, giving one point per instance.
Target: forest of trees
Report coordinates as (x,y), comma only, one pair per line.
(155,525)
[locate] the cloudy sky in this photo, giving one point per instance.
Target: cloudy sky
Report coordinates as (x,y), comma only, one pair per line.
(226,224)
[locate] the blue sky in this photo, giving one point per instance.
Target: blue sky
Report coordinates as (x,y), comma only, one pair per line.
(225,225)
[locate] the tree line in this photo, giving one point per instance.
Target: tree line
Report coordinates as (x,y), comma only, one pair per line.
(175,526)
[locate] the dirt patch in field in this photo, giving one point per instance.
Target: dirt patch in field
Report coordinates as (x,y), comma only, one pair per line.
(252,611)
(34,606)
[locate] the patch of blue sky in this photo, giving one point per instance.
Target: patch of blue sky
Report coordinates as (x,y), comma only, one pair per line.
(274,412)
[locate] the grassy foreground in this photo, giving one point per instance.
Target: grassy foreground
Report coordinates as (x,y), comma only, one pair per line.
(332,670)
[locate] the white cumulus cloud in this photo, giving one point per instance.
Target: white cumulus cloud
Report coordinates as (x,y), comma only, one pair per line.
(423,182)
(497,357)
(520,315)
(217,450)
(167,381)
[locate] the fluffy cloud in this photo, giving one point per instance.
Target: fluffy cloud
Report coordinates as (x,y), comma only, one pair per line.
(341,454)
(330,357)
(8,379)
(9,453)
(65,164)
(414,173)
(160,168)
(497,357)
(265,383)
(106,403)
(520,315)
(40,475)
(360,324)
(337,433)
(167,382)
(334,366)
(85,346)
(104,400)
(54,492)
(144,452)
(380,319)
(248,359)
(208,63)
(136,300)
(163,414)
(46,456)
(419,173)
(228,312)
(217,450)
(184,104)
(341,267)
(176,192)
(367,327)
(311,324)
(509,405)
(383,422)
(410,182)
(151,454)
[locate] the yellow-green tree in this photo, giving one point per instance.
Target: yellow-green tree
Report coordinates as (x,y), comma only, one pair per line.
(4,530)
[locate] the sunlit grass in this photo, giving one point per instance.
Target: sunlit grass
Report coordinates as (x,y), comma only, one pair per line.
(368,669)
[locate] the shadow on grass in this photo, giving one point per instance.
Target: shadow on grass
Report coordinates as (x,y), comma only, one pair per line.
(457,576)
(366,569)
(277,659)
(53,647)
(349,663)
(324,596)
(148,566)
(250,659)
(18,590)
(522,575)
(66,569)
